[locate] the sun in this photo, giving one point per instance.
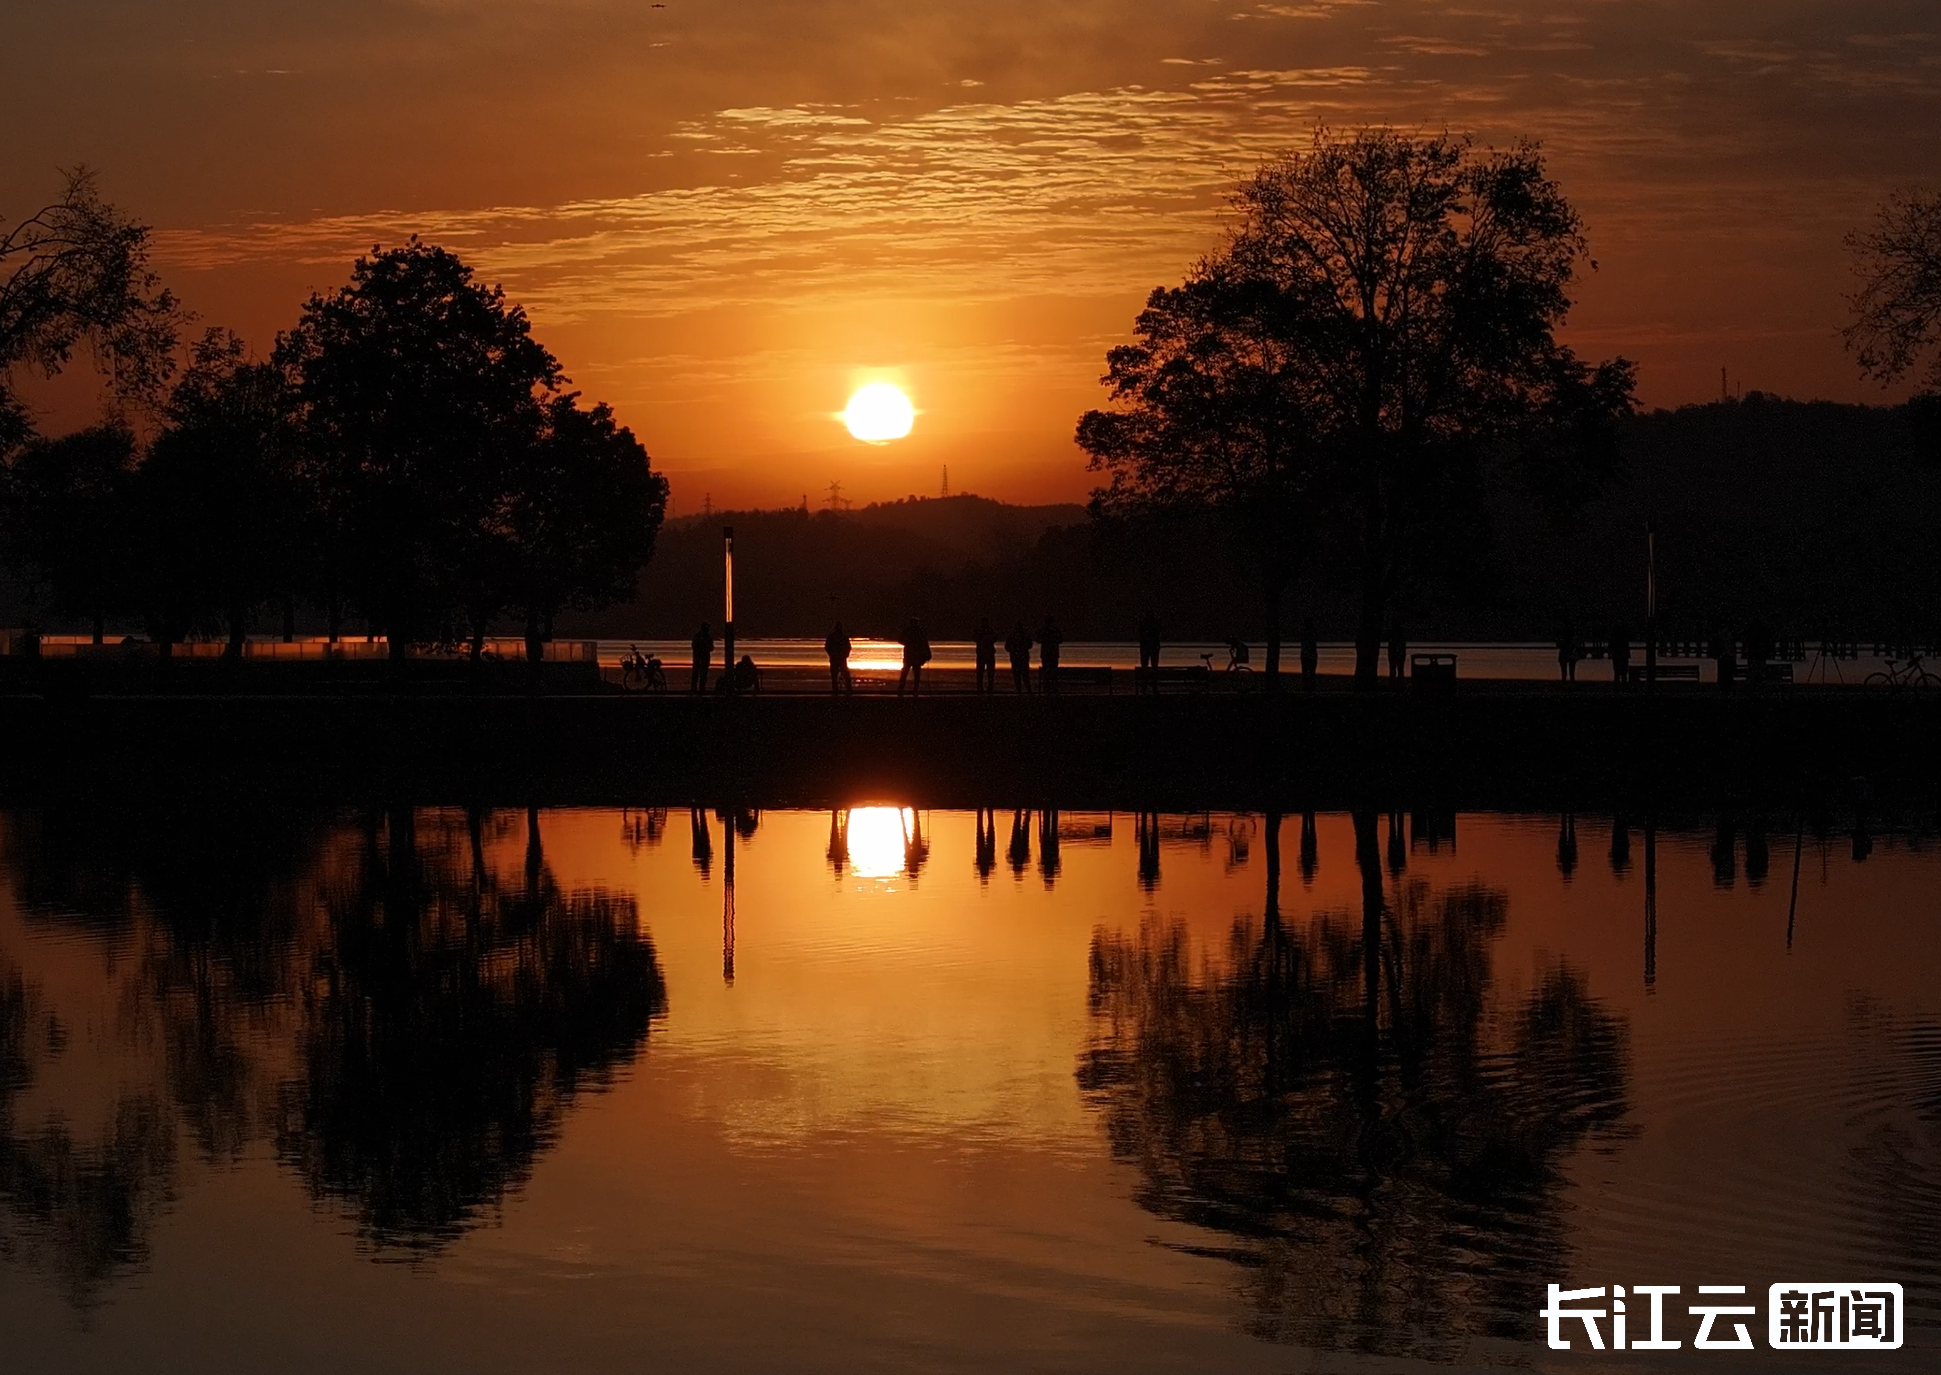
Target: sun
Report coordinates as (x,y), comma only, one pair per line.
(879,413)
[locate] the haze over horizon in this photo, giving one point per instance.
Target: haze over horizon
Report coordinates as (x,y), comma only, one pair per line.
(725,218)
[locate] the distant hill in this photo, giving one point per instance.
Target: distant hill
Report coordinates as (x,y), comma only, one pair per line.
(1820,519)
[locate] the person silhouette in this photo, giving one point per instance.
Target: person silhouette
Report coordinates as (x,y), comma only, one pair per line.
(703,644)
(1759,649)
(985,643)
(1049,641)
(916,653)
(1310,656)
(1149,644)
(1621,655)
(837,646)
(1567,654)
(1726,655)
(1018,646)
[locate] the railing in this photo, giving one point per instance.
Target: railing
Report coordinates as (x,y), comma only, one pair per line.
(311,648)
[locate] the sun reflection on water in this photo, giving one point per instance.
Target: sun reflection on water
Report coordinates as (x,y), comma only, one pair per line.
(879,839)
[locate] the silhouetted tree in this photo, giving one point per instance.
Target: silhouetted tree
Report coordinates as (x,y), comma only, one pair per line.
(1402,296)
(219,521)
(1897,310)
(64,505)
(74,273)
(1213,419)
(418,389)
(582,511)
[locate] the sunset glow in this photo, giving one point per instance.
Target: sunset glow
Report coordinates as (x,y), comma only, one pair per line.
(879,413)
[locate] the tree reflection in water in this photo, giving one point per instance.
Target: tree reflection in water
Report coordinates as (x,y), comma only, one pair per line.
(403,1022)
(449,1020)
(1356,1106)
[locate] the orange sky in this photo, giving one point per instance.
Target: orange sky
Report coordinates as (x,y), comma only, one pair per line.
(723,216)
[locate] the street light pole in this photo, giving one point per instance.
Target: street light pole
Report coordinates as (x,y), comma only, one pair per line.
(1650,607)
(728,604)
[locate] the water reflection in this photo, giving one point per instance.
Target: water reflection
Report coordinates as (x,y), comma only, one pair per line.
(449,1021)
(399,1015)
(1353,1116)
(1374,1125)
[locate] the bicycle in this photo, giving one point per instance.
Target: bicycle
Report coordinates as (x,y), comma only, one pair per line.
(1903,673)
(1201,678)
(642,673)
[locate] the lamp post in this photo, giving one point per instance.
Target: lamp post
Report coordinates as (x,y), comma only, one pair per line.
(728,605)
(1650,607)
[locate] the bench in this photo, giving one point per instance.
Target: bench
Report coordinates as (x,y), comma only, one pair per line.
(1069,678)
(1668,672)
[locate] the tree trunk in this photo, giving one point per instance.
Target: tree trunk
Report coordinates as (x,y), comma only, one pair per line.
(535,645)
(1272,594)
(1368,639)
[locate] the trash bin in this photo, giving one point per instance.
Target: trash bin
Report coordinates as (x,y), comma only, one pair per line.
(1432,675)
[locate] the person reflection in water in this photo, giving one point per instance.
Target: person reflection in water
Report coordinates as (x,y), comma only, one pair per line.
(986,852)
(1378,1126)
(1018,853)
(703,843)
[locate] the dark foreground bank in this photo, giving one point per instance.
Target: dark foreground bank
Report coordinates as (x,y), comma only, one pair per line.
(1483,748)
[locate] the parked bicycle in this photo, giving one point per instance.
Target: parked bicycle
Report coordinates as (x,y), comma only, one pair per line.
(1237,672)
(641,672)
(1904,673)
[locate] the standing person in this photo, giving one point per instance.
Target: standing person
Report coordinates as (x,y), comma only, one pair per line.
(837,646)
(985,642)
(908,639)
(1018,645)
(1567,655)
(1147,678)
(1726,655)
(1310,655)
(1398,651)
(1048,642)
(1149,642)
(1759,649)
(1621,655)
(920,653)
(697,678)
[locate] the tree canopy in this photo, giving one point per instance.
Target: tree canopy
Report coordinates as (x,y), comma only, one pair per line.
(1376,339)
(420,391)
(1897,310)
(73,273)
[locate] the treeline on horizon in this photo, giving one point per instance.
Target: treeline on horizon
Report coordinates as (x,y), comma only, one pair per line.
(1355,412)
(1813,518)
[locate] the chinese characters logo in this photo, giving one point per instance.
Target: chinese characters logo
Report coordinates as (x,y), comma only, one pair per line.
(1831,1317)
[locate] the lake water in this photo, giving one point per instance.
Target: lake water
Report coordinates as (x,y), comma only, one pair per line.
(906,1090)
